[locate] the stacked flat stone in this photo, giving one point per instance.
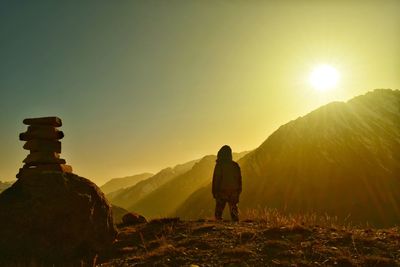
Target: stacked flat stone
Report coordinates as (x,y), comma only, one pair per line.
(42,140)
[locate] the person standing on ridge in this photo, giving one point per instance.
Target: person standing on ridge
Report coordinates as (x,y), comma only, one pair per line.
(226,184)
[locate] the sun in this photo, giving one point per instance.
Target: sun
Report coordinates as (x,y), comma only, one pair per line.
(324,77)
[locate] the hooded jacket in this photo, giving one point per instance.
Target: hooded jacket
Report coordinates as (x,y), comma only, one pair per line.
(227,178)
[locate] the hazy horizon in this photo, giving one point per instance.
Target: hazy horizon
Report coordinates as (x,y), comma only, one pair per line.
(142,86)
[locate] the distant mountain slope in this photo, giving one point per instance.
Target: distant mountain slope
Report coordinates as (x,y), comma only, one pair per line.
(118,213)
(164,200)
(342,159)
(129,196)
(120,183)
(4,185)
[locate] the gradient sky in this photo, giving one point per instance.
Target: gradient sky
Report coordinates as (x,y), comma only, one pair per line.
(142,85)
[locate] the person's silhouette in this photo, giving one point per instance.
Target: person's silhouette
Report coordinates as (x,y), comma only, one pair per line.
(227,184)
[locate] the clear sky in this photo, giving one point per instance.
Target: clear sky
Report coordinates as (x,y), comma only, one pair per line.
(142,85)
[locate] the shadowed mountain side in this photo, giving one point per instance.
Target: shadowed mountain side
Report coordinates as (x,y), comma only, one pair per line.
(341,159)
(165,200)
(4,185)
(129,196)
(120,183)
(200,204)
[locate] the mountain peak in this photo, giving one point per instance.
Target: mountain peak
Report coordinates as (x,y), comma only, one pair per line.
(340,159)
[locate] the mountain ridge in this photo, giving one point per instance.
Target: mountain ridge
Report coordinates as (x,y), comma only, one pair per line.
(338,159)
(115,184)
(4,185)
(128,196)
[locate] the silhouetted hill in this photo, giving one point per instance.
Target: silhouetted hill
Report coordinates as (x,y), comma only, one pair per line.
(164,200)
(341,159)
(121,183)
(4,185)
(129,196)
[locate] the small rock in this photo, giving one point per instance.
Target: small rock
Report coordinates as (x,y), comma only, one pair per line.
(43,145)
(41,135)
(53,121)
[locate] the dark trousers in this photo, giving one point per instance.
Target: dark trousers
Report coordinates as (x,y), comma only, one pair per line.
(220,205)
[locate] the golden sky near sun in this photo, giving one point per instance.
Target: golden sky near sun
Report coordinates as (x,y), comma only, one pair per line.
(145,85)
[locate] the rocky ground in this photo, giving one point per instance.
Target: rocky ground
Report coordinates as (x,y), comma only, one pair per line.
(171,242)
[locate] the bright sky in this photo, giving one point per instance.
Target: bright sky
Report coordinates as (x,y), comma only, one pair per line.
(142,85)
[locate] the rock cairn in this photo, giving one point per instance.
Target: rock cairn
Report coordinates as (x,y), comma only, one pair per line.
(50,216)
(42,140)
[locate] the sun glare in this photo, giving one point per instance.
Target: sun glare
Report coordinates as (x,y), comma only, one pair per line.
(324,77)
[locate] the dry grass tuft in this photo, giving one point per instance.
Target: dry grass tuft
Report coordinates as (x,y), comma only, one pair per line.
(275,218)
(240,251)
(378,261)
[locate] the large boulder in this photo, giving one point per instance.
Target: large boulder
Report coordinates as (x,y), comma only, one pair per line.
(54,218)
(133,218)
